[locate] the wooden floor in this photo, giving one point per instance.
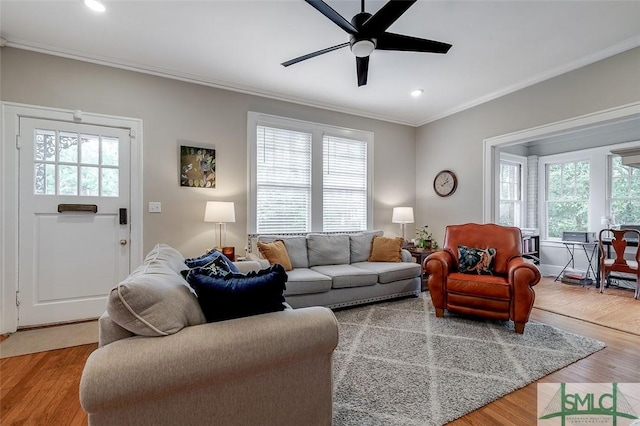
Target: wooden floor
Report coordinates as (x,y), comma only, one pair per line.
(42,389)
(616,308)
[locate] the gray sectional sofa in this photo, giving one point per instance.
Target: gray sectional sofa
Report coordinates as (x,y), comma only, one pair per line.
(333,270)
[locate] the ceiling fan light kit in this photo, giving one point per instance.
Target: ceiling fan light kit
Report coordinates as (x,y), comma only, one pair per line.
(362,48)
(369,32)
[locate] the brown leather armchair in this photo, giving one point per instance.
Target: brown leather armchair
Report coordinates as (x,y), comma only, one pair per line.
(505,295)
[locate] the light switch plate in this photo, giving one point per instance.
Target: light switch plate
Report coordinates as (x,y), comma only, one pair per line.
(155,207)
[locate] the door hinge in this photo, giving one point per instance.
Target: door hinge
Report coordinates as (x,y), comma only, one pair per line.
(17,298)
(132,133)
(18,144)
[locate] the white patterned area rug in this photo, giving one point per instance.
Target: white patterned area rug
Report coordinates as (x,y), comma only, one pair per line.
(398,364)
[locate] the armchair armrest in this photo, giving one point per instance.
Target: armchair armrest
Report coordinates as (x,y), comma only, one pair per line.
(522,272)
(438,266)
(440,262)
(522,277)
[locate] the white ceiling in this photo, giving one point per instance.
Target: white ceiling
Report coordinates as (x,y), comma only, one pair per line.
(498,47)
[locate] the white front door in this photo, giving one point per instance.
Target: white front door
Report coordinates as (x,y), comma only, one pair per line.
(74,210)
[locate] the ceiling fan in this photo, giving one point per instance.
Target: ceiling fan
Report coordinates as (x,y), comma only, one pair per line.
(368,32)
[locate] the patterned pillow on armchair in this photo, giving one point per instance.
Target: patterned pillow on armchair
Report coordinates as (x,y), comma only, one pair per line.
(476,261)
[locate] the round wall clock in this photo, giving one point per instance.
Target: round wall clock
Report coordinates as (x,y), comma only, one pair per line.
(445,183)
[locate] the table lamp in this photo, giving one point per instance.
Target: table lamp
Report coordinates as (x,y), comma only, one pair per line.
(402,215)
(221,212)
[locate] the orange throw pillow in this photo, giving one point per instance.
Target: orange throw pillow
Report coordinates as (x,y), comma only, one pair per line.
(276,252)
(384,249)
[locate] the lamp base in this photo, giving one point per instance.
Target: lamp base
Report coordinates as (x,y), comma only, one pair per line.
(230,253)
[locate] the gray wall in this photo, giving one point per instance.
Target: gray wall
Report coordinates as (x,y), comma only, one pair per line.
(174,110)
(456,142)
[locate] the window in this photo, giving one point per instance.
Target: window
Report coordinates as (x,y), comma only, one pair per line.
(283,180)
(510,193)
(307,177)
(625,193)
(344,184)
(567,197)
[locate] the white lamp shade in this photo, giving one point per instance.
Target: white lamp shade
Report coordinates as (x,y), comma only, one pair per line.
(402,215)
(220,211)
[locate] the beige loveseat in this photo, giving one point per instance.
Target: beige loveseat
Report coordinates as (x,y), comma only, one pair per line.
(159,363)
(334,270)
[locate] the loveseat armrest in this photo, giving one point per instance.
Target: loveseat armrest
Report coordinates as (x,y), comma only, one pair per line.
(212,361)
(406,256)
(248,266)
(264,263)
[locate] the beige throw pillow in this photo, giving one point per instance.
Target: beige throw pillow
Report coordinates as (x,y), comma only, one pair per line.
(275,252)
(384,249)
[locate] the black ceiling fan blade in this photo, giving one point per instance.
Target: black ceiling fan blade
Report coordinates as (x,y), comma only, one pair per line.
(337,19)
(391,41)
(314,54)
(387,15)
(362,68)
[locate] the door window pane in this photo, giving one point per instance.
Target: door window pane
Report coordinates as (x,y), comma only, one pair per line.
(68,147)
(110,183)
(45,145)
(67,180)
(90,149)
(110,148)
(89,181)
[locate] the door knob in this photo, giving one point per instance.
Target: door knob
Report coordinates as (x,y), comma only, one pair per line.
(123,242)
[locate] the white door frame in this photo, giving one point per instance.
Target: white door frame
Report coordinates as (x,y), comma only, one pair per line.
(9,193)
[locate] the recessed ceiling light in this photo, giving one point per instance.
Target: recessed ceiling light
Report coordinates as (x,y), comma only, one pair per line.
(95,5)
(417,92)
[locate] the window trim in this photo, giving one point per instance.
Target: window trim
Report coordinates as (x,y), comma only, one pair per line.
(317,130)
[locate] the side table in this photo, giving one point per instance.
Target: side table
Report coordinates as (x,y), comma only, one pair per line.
(420,255)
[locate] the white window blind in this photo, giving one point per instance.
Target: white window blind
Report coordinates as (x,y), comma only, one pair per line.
(344,184)
(283,180)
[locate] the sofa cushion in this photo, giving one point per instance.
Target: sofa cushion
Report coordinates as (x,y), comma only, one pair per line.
(343,276)
(476,261)
(238,295)
(360,245)
(384,249)
(306,281)
(213,259)
(391,271)
(275,252)
(154,300)
(296,248)
(328,249)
